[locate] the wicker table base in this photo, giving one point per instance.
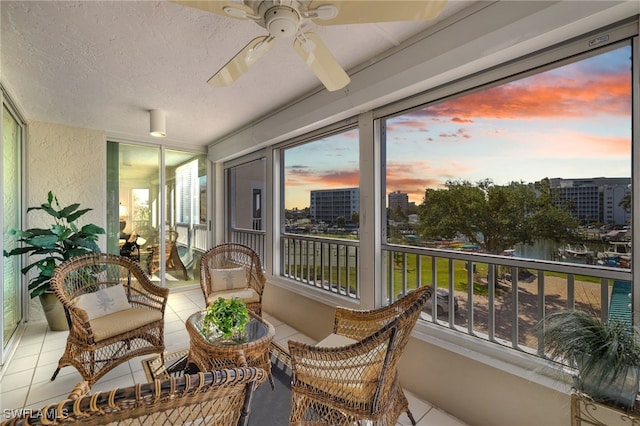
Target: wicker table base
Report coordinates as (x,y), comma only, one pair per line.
(209,355)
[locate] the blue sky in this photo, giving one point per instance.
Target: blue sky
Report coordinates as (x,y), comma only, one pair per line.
(573,121)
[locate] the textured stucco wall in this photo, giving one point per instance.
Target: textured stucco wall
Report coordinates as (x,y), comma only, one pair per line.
(72,163)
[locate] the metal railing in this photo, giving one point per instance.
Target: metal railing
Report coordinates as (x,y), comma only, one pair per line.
(499,298)
(193,236)
(250,238)
(330,264)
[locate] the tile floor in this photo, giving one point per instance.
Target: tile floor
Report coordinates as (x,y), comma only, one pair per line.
(25,380)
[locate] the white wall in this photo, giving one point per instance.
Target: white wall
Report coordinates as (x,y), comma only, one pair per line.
(71,162)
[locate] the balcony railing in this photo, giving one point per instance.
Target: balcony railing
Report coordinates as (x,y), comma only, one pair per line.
(500,299)
(330,264)
(250,238)
(194,236)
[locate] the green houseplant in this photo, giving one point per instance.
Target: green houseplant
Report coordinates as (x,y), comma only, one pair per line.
(606,354)
(226,318)
(47,248)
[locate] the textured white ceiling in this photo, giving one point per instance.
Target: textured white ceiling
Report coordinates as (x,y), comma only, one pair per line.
(105,64)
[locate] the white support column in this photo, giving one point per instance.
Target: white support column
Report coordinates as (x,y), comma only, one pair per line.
(272,212)
(218,199)
(370,207)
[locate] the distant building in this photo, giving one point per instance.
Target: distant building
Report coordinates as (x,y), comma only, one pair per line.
(593,199)
(398,199)
(329,204)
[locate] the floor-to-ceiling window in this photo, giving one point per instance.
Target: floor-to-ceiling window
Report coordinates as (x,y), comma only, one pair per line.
(152,204)
(11,297)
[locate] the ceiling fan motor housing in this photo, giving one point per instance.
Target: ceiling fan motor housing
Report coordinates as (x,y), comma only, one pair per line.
(282,21)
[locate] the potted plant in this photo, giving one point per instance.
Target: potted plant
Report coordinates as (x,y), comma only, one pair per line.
(606,354)
(226,319)
(50,247)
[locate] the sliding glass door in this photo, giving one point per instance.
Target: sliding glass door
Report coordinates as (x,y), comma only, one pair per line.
(159,197)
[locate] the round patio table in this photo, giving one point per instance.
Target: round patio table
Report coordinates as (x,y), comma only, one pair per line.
(209,353)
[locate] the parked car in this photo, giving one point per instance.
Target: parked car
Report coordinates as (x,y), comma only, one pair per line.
(442,303)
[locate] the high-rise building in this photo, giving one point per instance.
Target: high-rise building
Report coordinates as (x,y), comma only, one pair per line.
(327,205)
(398,199)
(593,199)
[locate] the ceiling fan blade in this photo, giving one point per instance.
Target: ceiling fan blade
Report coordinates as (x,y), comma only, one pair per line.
(320,60)
(372,11)
(235,9)
(240,63)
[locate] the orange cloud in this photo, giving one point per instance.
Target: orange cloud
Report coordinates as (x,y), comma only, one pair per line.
(580,145)
(543,95)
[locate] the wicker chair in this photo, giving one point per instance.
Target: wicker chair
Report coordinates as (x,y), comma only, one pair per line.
(232,270)
(171,256)
(357,381)
(219,397)
(114,312)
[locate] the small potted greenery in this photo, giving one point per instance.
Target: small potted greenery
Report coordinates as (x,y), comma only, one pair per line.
(606,354)
(226,319)
(50,247)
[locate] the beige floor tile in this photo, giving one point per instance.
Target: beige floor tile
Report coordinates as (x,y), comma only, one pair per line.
(43,373)
(50,357)
(284,331)
(439,418)
(14,399)
(15,381)
(28,349)
(298,337)
(58,389)
(22,364)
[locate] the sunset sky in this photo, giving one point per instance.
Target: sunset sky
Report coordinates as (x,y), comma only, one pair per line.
(569,122)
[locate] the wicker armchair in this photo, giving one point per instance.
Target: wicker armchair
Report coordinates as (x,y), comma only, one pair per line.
(357,380)
(171,256)
(232,270)
(219,397)
(114,312)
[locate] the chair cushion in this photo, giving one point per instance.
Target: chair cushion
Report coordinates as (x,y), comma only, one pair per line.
(103,302)
(228,279)
(247,295)
(123,321)
(334,340)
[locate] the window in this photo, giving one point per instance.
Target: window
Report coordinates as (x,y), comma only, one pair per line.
(321,212)
(534,167)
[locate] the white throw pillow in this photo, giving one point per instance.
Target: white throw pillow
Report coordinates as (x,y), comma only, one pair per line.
(104,301)
(228,279)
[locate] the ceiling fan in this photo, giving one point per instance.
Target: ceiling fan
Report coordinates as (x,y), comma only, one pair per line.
(287,18)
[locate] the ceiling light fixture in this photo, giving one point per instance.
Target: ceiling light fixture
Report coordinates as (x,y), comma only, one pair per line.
(158,127)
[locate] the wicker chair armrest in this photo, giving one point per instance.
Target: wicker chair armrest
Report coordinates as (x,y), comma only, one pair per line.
(77,315)
(257,282)
(80,390)
(357,324)
(148,300)
(349,357)
(148,286)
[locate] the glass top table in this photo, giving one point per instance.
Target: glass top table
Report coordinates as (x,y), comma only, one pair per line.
(255,329)
(213,353)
